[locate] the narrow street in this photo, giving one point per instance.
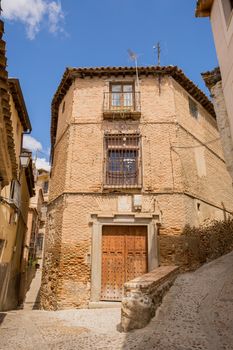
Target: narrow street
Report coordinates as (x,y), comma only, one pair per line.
(197,313)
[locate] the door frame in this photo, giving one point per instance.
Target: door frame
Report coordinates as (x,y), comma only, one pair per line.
(151,221)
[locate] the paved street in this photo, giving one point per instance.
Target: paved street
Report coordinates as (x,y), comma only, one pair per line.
(197,313)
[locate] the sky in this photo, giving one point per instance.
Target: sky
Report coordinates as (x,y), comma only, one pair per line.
(46,36)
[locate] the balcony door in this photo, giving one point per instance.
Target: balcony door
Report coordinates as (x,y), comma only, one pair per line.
(121,96)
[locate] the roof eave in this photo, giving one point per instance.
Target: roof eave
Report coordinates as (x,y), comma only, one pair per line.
(17,95)
(203,8)
(72,73)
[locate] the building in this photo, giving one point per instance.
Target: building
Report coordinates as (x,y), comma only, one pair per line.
(16,183)
(34,243)
(30,257)
(133,162)
(220,81)
(42,182)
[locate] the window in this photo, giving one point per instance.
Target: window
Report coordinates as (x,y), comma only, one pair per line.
(193,108)
(121,95)
(227,6)
(122,160)
(17,128)
(63,106)
(39,241)
(15,193)
(2,242)
(46,187)
(13,218)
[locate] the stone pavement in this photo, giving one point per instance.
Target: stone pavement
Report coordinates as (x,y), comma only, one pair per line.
(197,313)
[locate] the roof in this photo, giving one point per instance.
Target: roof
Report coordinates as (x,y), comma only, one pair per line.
(71,73)
(203,8)
(212,77)
(17,95)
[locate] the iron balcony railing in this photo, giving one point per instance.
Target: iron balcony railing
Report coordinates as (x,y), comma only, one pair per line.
(125,103)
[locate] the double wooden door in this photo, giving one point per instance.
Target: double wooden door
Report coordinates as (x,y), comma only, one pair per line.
(124,257)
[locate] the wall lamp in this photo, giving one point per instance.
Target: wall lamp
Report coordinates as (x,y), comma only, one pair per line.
(24,159)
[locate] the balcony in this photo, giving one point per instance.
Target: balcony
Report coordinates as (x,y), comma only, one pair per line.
(122,105)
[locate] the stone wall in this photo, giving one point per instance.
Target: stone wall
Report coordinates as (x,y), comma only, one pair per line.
(143,295)
(51,278)
(196,245)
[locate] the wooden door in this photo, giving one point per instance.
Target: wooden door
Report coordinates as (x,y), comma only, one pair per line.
(124,257)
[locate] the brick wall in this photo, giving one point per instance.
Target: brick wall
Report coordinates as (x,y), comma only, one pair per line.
(184,184)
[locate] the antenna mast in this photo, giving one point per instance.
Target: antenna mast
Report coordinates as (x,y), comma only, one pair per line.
(133,56)
(158,52)
(157,49)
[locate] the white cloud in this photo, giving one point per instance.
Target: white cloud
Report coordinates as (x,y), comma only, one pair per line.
(41,163)
(33,13)
(31,143)
(36,148)
(55,16)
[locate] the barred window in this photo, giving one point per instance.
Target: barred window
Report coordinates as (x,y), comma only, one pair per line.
(122,160)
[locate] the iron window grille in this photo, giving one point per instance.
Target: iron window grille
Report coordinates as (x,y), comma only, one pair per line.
(122,160)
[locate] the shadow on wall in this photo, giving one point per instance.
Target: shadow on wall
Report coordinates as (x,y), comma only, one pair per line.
(197,245)
(2,316)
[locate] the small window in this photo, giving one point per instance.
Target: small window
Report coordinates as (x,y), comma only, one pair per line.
(122,160)
(2,242)
(227,6)
(15,193)
(17,128)
(46,187)
(193,108)
(13,218)
(63,106)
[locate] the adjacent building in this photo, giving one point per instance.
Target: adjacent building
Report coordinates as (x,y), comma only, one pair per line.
(42,182)
(133,161)
(220,82)
(16,183)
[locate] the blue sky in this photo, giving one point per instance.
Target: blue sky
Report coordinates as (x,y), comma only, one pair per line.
(46,39)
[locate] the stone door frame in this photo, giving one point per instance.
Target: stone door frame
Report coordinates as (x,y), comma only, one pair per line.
(98,221)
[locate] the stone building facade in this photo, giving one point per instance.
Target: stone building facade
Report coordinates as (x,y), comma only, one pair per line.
(42,183)
(132,164)
(220,13)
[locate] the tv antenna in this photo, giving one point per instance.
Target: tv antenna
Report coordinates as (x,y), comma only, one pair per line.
(157,49)
(134,57)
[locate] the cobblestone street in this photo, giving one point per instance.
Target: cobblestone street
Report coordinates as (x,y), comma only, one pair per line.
(197,313)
